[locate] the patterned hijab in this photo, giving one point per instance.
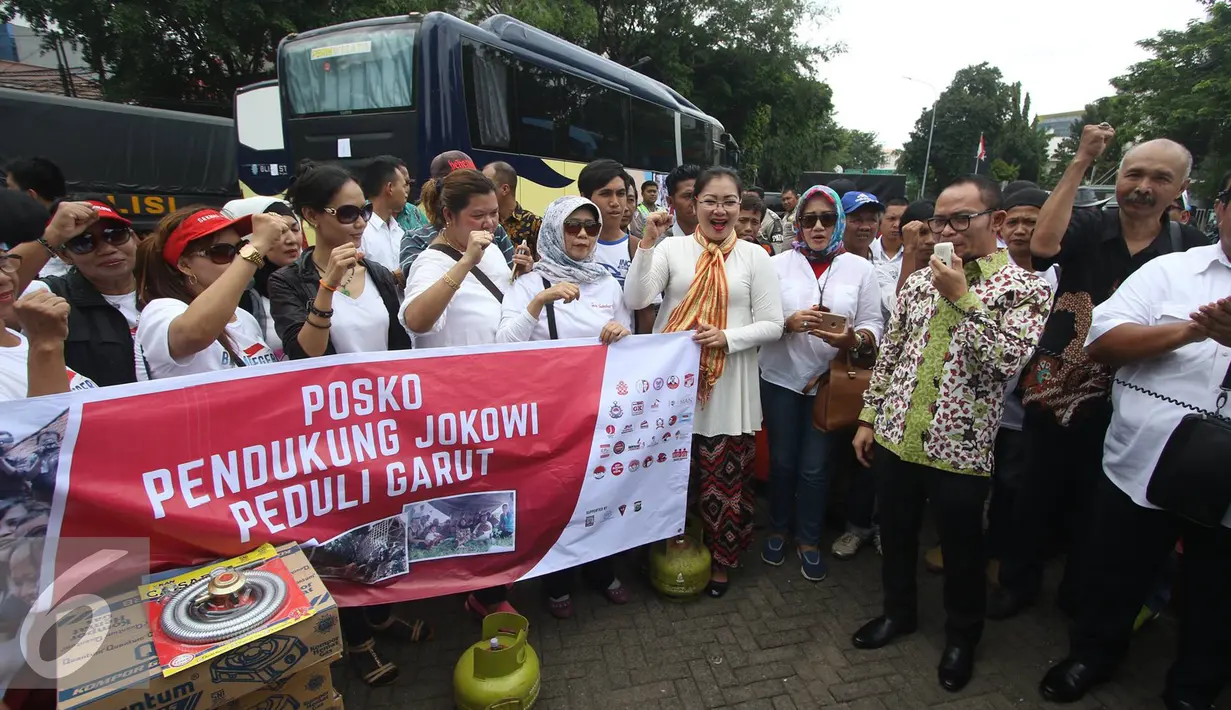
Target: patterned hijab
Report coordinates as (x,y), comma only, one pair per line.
(835,239)
(706,302)
(554,263)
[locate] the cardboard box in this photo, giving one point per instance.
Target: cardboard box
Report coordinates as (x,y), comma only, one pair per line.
(125,672)
(310,689)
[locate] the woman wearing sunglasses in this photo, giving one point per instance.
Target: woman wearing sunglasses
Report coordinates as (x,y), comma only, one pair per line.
(333,300)
(102,292)
(817,277)
(256,298)
(725,291)
(190,277)
(569,295)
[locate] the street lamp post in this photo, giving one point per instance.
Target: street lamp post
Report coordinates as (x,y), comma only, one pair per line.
(927,158)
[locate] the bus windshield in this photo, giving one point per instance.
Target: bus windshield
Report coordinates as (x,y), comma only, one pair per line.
(367,69)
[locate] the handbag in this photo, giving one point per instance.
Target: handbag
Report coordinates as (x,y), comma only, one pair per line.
(839,394)
(1190,478)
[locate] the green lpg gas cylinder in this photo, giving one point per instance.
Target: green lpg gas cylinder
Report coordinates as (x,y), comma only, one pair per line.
(680,567)
(501,672)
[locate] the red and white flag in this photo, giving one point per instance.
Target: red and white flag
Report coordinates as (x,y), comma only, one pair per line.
(982,152)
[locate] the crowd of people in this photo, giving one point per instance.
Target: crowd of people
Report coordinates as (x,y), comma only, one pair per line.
(1029,360)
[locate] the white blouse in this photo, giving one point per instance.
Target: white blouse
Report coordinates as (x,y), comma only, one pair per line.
(361,324)
(600,303)
(473,314)
(851,290)
(754,318)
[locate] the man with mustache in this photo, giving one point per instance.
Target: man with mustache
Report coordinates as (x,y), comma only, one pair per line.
(1064,392)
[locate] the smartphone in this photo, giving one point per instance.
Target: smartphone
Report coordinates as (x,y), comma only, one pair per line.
(832,323)
(944,252)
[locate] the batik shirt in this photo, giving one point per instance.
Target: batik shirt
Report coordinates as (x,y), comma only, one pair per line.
(523,228)
(937,392)
(412,218)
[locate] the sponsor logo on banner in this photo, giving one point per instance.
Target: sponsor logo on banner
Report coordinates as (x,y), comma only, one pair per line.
(368,451)
(658,383)
(667,437)
(659,424)
(622,388)
(690,380)
(673,420)
(686,401)
(673,382)
(685,417)
(638,408)
(679,454)
(636,506)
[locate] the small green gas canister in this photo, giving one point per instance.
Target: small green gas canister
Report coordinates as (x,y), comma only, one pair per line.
(680,567)
(501,672)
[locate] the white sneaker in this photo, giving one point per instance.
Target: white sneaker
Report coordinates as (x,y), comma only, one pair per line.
(847,546)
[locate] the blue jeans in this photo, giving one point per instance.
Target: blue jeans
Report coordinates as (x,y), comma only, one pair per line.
(798,463)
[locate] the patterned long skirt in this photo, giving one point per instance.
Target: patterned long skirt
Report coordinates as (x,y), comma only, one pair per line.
(722,475)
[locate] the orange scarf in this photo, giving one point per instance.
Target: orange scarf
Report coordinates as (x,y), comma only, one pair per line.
(706,302)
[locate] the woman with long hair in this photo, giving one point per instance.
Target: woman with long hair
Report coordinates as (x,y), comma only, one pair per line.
(256,299)
(817,276)
(583,300)
(455,288)
(725,290)
(332,299)
(191,275)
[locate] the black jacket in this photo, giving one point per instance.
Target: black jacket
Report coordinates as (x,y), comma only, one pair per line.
(294,286)
(99,344)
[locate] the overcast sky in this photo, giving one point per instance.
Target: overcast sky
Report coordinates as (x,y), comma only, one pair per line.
(1063,51)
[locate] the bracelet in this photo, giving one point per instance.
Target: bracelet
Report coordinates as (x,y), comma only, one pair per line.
(47,245)
(327,287)
(313,310)
(318,326)
(451,283)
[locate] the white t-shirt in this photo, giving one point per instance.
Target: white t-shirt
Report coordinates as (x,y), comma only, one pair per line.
(270,334)
(54,267)
(360,325)
(126,304)
(152,343)
(473,313)
(14,377)
(600,303)
(614,256)
(381,242)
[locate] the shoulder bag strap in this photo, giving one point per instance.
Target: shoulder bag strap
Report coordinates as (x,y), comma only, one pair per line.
(475,272)
(551,316)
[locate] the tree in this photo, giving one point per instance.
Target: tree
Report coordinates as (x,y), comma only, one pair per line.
(1004,172)
(1183,92)
(860,150)
(1104,110)
(1020,142)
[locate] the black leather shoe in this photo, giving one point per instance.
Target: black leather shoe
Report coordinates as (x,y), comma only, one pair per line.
(1004,604)
(957,664)
(1174,703)
(1069,680)
(879,632)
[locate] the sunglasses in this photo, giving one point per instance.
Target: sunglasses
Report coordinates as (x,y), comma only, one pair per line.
(221,253)
(88,242)
(573,227)
(349,214)
(827,220)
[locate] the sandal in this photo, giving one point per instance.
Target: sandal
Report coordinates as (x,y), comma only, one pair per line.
(477,608)
(403,630)
(371,668)
(561,608)
(715,590)
(619,595)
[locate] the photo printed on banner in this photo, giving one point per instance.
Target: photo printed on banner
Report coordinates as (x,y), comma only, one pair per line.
(369,553)
(462,525)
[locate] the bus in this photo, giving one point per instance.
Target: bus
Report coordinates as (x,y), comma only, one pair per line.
(415,86)
(264,163)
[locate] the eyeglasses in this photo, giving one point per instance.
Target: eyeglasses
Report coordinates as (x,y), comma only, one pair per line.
(573,227)
(710,204)
(88,242)
(827,220)
(221,253)
(10,263)
(349,214)
(959,222)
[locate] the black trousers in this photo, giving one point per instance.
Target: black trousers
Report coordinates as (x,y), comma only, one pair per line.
(1128,550)
(599,573)
(1054,501)
(1007,482)
(957,503)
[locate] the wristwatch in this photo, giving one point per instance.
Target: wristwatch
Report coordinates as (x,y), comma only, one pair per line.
(249,253)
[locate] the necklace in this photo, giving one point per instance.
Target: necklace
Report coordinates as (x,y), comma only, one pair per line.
(350,274)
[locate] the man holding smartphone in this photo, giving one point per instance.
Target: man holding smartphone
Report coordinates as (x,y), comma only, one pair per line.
(933,407)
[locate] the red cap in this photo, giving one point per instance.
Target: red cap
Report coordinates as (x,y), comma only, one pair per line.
(106,211)
(201,223)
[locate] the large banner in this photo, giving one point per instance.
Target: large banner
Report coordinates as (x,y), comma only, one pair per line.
(403,475)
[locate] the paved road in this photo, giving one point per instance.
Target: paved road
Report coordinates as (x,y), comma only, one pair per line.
(774,642)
